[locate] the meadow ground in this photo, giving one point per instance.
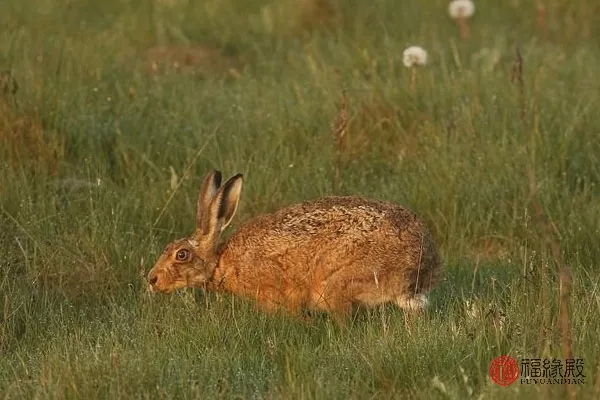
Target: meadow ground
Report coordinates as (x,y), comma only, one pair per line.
(112,111)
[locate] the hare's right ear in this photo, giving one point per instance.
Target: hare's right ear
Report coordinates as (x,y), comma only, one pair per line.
(208,190)
(227,200)
(220,211)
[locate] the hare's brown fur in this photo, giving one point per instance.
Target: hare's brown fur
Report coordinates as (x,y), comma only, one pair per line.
(325,254)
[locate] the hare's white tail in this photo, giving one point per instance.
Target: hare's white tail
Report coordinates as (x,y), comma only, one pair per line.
(415,302)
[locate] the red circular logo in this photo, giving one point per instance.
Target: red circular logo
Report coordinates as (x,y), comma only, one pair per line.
(504,370)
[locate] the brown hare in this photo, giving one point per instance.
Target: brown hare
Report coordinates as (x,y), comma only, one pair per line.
(326,254)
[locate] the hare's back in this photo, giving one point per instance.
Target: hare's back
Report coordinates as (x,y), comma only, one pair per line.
(330,218)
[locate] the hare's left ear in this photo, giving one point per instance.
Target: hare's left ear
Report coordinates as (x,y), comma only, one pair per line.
(220,212)
(208,190)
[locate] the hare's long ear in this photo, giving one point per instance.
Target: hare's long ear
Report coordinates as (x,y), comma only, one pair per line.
(228,201)
(208,190)
(220,212)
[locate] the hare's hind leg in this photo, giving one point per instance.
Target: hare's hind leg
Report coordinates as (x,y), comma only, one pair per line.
(414,302)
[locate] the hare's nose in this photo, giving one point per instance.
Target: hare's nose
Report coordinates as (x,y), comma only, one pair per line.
(152,279)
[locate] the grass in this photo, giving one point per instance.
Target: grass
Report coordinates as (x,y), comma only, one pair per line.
(105,140)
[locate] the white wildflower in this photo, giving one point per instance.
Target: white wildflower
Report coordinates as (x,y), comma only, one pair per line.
(461,9)
(414,55)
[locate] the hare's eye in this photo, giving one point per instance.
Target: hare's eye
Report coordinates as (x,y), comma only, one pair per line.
(182,255)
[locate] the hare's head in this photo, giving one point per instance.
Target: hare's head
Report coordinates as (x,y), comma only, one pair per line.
(190,262)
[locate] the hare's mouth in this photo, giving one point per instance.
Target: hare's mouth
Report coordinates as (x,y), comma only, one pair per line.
(167,288)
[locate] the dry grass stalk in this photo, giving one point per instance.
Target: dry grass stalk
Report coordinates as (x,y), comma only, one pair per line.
(413,79)
(543,224)
(340,130)
(6,315)
(541,15)
(185,174)
(566,281)
(541,218)
(597,383)
(517,77)
(465,31)
(142,273)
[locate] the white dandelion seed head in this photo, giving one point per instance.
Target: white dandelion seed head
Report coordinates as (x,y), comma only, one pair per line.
(414,55)
(461,9)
